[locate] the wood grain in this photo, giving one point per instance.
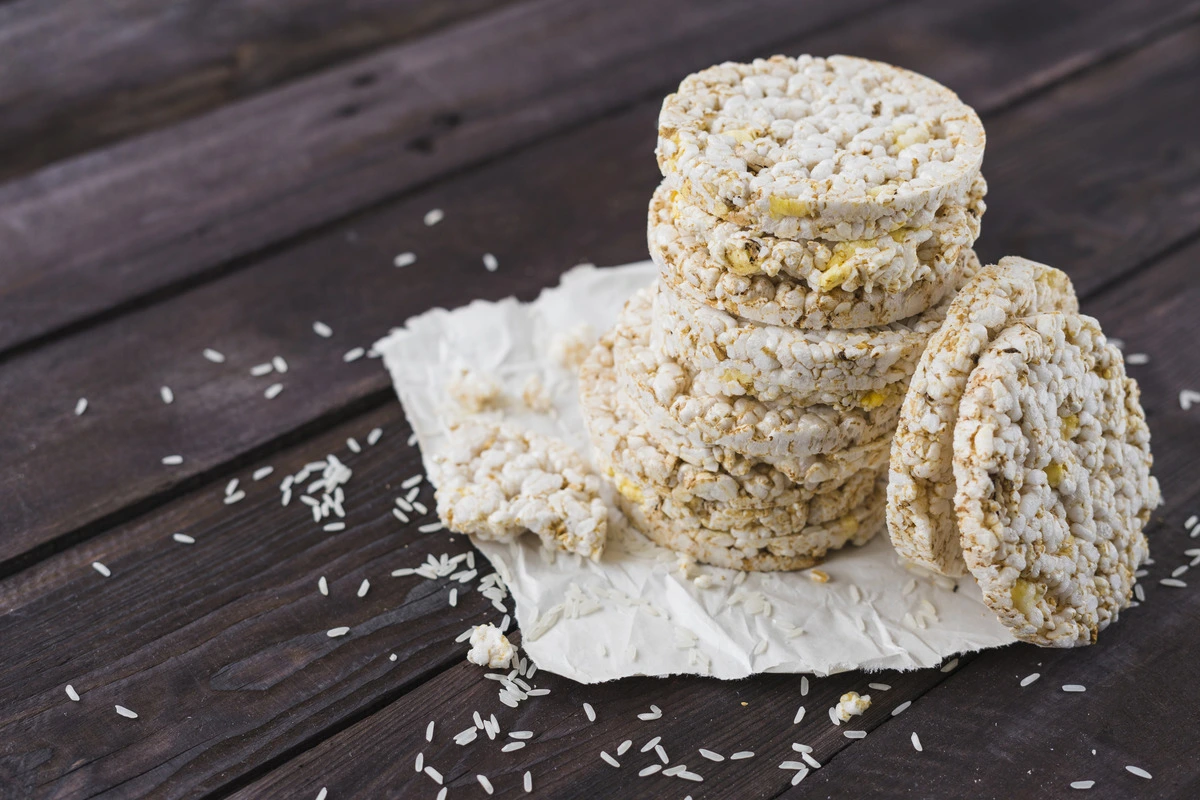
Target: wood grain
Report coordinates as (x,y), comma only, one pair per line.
(221,646)
(79,74)
(179,202)
(75,475)
(374,758)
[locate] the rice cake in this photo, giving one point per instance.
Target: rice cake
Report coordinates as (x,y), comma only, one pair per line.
(1052,462)
(891,261)
(732,549)
(855,368)
(686,267)
(921,481)
(701,469)
(663,390)
(837,148)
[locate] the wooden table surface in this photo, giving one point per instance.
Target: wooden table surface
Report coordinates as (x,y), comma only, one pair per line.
(188,175)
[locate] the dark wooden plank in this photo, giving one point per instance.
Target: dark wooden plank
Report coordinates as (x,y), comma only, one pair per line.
(221,646)
(177,202)
(537,211)
(78,74)
(984,734)
(374,758)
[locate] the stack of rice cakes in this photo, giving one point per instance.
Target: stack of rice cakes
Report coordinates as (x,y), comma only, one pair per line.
(815,221)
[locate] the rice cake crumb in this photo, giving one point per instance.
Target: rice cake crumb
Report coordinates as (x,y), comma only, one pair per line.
(489,647)
(852,704)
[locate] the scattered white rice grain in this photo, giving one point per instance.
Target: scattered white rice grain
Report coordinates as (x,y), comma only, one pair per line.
(883,687)
(799,776)
(323,586)
(321,795)
(490,263)
(214,356)
(691,776)
(1141,773)
(916,742)
(412,481)
(334,527)
(854,734)
(412,439)
(1191,521)
(742,754)
(511,746)
(71,693)
(624,746)
(804,686)
(262,472)
(801,748)
(453,597)
(353,354)
(662,754)
(236,497)
(792,765)
(799,715)
(950,665)
(412,495)
(103,570)
(279,364)
(1082,784)
(364,587)
(400,515)
(900,709)
(520,734)
(1175,573)
(183,538)
(432,217)
(167,395)
(125,712)
(258,370)
(609,759)
(650,770)
(419,507)
(172,461)
(322,330)
(710,755)
(648,746)
(374,436)
(528,782)
(1030,678)
(485,783)
(1137,359)
(833,717)
(1173,582)
(406,259)
(333,633)
(231,487)
(591,712)
(273,391)
(81,406)
(419,763)
(353,444)
(434,774)
(812,762)
(431,527)
(1074,687)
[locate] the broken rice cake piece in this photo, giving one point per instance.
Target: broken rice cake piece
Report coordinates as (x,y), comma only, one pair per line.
(489,647)
(498,480)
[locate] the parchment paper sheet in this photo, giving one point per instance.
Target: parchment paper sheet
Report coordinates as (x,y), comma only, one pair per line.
(636,612)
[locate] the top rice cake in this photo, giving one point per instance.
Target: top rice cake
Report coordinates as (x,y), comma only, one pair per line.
(836,148)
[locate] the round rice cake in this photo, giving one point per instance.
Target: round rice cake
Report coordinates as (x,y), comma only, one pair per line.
(858,368)
(686,267)
(737,549)
(682,468)
(889,261)
(1052,462)
(837,148)
(663,390)
(920,511)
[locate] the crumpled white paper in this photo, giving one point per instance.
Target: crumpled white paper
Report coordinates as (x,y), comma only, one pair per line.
(636,612)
